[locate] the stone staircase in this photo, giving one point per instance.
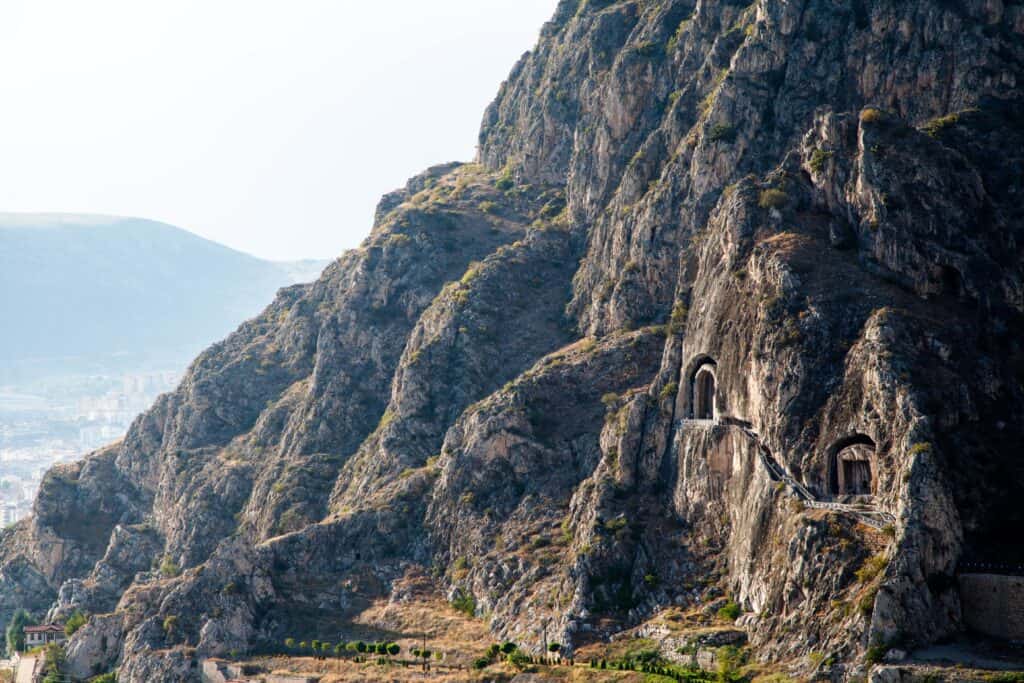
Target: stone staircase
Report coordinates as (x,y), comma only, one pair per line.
(866,514)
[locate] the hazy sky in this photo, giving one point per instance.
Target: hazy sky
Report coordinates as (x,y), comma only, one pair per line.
(272,126)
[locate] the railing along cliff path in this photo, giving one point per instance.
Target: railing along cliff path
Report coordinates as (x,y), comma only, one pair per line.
(867,514)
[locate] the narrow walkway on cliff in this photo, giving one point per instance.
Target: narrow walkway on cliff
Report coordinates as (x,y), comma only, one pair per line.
(865,513)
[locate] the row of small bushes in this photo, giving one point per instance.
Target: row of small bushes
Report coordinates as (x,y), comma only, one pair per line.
(324,648)
(661,668)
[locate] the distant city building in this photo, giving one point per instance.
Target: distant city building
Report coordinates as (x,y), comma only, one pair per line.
(52,422)
(14,512)
(100,435)
(9,514)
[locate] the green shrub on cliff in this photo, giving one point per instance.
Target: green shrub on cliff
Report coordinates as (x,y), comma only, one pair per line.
(505,182)
(168,567)
(773,198)
(730,611)
(465,603)
(730,658)
(818,159)
(875,654)
(871,568)
(53,664)
(76,621)
(519,660)
(722,132)
(871,115)
(678,321)
(937,125)
(1005,677)
(866,604)
(920,448)
(170,626)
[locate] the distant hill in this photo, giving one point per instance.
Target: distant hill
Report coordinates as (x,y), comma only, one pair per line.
(720,342)
(101,293)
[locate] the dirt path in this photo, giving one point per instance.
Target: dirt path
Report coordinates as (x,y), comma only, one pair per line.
(26,667)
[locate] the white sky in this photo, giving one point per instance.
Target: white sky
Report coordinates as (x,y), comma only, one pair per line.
(272,126)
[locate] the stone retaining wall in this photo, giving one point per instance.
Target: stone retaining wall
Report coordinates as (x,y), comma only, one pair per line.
(993,604)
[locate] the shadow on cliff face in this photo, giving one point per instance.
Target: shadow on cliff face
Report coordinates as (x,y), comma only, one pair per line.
(948,224)
(814,203)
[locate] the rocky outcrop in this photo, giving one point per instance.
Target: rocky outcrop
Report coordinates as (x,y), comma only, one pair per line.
(732,303)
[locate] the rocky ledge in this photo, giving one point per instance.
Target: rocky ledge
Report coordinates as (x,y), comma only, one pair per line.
(727,316)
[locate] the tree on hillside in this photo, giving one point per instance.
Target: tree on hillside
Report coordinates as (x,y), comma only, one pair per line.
(16,631)
(168,567)
(53,664)
(171,628)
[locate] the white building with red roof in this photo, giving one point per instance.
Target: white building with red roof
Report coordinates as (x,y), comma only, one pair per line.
(44,634)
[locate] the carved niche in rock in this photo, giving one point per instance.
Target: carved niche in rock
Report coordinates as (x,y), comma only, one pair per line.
(853,466)
(703,388)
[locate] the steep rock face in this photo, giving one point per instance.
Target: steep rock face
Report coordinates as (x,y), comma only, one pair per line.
(733,303)
(479,333)
(740,87)
(501,506)
(674,100)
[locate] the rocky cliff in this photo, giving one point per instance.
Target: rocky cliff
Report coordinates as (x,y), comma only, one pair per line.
(732,302)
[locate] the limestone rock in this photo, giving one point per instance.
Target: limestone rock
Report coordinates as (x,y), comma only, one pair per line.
(717,261)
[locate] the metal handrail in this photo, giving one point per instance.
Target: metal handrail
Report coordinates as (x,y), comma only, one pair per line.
(872,517)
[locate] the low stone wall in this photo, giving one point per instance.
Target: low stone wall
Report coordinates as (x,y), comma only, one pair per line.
(993,604)
(222,671)
(214,671)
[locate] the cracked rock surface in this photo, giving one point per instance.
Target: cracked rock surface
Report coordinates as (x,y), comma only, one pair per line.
(819,201)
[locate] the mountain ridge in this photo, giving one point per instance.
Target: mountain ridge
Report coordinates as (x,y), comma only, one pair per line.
(703,242)
(61,272)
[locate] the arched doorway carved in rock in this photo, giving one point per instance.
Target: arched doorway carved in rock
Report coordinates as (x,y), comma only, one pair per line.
(703,391)
(853,466)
